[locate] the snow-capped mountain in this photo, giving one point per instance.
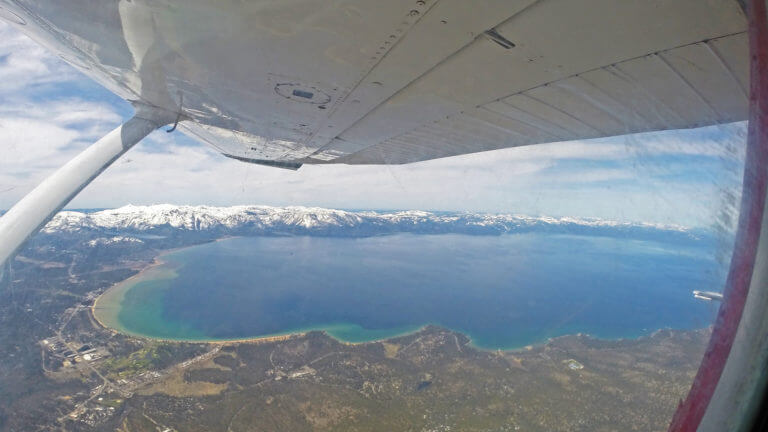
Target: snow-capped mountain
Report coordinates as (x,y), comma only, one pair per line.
(168,220)
(106,241)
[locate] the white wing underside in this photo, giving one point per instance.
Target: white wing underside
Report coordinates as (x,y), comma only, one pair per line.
(389,82)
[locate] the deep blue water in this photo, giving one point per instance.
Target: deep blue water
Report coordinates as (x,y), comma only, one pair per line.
(502,291)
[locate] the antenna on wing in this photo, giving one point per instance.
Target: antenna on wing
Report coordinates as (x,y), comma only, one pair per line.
(178,115)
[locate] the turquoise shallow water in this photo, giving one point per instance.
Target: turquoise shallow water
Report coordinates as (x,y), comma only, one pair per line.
(502,291)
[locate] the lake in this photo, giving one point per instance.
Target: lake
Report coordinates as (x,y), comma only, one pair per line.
(503,291)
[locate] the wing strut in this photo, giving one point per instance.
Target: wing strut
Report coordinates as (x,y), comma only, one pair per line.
(38,207)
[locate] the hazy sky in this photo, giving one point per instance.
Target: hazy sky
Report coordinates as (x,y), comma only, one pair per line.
(49,112)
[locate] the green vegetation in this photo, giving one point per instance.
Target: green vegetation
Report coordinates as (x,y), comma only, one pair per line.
(153,356)
(113,403)
(315,383)
(133,364)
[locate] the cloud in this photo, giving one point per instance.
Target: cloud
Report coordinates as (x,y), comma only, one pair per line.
(43,136)
(50,112)
(25,64)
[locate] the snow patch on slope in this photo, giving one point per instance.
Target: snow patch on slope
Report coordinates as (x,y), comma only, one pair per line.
(309,220)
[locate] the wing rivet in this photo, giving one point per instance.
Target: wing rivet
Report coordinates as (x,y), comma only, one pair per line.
(414,13)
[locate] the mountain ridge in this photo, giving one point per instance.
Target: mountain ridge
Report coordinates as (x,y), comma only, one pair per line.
(167,219)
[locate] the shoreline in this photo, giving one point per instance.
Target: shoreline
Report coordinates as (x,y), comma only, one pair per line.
(157,261)
(97,309)
(256,340)
(280,337)
(275,337)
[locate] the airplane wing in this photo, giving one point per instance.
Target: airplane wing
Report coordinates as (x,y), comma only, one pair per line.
(289,82)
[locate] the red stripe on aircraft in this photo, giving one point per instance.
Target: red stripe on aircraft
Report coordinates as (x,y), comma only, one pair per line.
(689,413)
